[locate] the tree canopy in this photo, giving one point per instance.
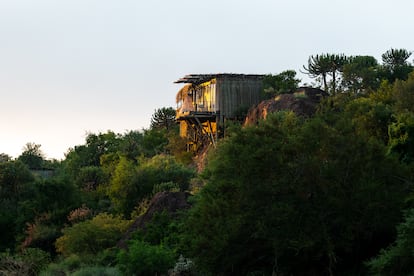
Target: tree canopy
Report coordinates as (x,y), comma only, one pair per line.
(329,194)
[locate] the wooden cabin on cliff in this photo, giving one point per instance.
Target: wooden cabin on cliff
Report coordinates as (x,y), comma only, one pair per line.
(208,100)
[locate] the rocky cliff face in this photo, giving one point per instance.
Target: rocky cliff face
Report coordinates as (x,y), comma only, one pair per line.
(303,102)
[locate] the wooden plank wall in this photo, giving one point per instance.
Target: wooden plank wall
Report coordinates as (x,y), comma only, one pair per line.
(235,93)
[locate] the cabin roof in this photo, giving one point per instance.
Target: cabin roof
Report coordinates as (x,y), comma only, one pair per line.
(200,78)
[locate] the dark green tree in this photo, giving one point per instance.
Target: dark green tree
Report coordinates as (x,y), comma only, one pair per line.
(32,156)
(44,211)
(131,144)
(396,65)
(285,82)
(154,142)
(396,57)
(143,259)
(90,237)
(163,118)
(319,66)
(361,74)
(324,65)
(133,182)
(337,62)
(4,157)
(371,118)
(403,94)
(401,137)
(15,186)
(398,258)
(295,197)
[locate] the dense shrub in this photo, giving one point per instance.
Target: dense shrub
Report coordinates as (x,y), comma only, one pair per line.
(91,236)
(29,262)
(296,196)
(142,258)
(398,259)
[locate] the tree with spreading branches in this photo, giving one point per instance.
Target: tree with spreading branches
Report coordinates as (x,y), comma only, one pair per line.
(163,118)
(326,64)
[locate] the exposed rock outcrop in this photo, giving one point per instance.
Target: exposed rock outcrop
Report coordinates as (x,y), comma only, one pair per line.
(162,201)
(303,102)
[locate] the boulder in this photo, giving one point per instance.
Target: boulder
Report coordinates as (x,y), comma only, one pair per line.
(170,202)
(303,102)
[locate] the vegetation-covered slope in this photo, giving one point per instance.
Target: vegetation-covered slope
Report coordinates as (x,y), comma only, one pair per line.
(327,194)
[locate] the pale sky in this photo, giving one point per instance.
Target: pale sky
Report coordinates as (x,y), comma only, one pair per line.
(68,67)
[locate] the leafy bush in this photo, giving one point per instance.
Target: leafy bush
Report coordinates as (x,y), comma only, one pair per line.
(398,259)
(97,270)
(30,262)
(91,236)
(145,259)
(160,229)
(166,186)
(63,267)
(75,265)
(294,196)
(131,183)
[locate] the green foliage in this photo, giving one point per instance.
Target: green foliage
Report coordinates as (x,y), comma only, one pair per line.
(14,178)
(91,236)
(165,186)
(163,118)
(360,74)
(145,259)
(282,83)
(159,230)
(395,57)
(290,196)
(32,209)
(154,142)
(32,156)
(16,185)
(396,66)
(383,94)
(401,137)
(63,267)
(125,190)
(76,265)
(5,158)
(403,92)
(312,178)
(57,195)
(320,66)
(46,209)
(29,262)
(90,177)
(97,270)
(131,183)
(398,258)
(90,154)
(177,146)
(164,168)
(370,117)
(41,233)
(131,144)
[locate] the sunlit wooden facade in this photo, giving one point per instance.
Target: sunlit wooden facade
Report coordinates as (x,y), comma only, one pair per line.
(207,101)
